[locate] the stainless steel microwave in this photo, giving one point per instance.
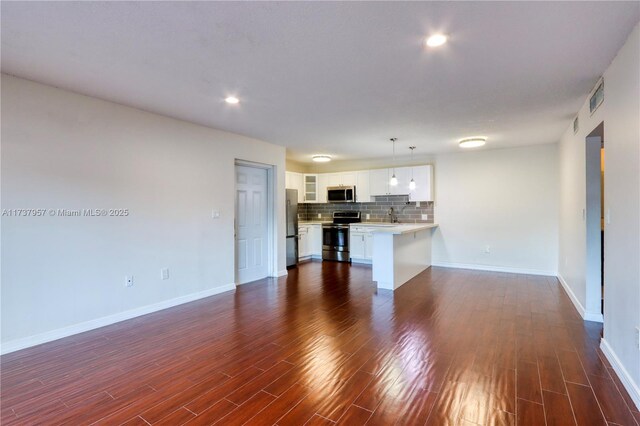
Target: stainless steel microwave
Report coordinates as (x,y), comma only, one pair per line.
(341,194)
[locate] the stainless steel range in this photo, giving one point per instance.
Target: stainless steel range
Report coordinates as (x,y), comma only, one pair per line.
(335,236)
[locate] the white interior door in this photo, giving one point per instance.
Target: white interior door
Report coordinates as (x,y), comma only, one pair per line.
(252,228)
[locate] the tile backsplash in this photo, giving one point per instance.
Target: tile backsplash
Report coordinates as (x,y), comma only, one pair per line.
(378,211)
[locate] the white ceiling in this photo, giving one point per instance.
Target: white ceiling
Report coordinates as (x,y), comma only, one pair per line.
(327,77)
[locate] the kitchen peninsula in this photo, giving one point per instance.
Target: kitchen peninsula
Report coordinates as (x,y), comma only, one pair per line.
(400,253)
(397,252)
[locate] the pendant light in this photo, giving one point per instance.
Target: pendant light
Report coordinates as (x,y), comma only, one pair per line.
(412,184)
(394,179)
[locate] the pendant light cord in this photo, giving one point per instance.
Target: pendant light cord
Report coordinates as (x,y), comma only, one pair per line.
(412,148)
(394,155)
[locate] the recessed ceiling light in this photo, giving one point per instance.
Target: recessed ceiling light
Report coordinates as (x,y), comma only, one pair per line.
(231,100)
(436,40)
(473,142)
(321,158)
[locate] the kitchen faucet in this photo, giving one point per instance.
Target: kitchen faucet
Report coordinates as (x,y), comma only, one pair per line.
(393,218)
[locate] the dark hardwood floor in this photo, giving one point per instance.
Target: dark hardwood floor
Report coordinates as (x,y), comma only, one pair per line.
(322,346)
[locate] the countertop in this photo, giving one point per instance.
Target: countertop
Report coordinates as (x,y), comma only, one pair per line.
(380,224)
(383,227)
(405,228)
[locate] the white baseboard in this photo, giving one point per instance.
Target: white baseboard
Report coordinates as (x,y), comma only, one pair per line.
(492,268)
(586,315)
(629,384)
(282,273)
(27,342)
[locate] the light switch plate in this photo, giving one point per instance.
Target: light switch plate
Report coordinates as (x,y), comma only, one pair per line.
(215,214)
(368,216)
(425,217)
(164,273)
(319,215)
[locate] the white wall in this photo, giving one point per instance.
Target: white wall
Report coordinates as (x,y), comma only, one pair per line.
(64,150)
(620,112)
(506,199)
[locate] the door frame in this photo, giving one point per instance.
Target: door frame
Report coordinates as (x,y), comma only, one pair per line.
(272,217)
(594,141)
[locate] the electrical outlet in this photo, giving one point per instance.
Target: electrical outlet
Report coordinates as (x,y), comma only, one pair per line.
(638,338)
(417,203)
(425,217)
(164,273)
(128,281)
(319,215)
(368,216)
(215,214)
(487,249)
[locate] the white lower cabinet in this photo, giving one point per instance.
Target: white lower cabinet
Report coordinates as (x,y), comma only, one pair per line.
(368,246)
(315,240)
(303,242)
(361,244)
(356,245)
(309,241)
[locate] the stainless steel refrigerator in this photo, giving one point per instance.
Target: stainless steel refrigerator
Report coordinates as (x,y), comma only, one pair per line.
(292,227)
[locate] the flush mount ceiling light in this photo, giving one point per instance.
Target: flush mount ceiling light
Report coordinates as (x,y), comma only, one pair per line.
(231,100)
(473,142)
(436,40)
(321,158)
(394,179)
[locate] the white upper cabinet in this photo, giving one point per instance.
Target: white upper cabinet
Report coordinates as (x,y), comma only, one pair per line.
(323,183)
(423,176)
(363,194)
(294,180)
(379,182)
(342,179)
(348,178)
(403,174)
(312,188)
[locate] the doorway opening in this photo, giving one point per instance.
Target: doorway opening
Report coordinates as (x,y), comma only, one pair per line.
(254,228)
(595,221)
